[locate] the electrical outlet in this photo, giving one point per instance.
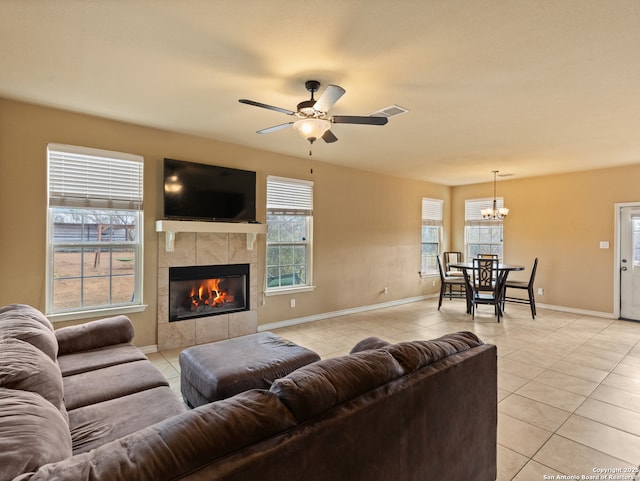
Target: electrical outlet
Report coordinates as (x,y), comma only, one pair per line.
(433,283)
(386,290)
(293,303)
(540,291)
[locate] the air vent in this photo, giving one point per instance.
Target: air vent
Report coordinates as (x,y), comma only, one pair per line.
(390,111)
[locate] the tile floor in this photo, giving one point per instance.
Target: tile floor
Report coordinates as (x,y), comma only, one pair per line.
(568,384)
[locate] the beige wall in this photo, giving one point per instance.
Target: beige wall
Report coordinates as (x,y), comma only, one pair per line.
(366,226)
(560,219)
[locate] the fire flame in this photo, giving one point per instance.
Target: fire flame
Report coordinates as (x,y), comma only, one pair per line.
(208,294)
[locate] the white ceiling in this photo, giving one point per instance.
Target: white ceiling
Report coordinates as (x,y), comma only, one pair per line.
(528,87)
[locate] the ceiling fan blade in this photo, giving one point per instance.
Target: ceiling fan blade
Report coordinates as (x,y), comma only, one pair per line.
(329,138)
(265,106)
(354,119)
(274,128)
(329,97)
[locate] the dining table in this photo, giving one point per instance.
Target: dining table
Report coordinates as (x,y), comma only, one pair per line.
(503,272)
(501,266)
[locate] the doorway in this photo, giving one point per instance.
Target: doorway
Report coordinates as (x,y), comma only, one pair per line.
(627,262)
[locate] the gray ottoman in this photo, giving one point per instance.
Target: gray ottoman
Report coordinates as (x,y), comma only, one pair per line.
(222,369)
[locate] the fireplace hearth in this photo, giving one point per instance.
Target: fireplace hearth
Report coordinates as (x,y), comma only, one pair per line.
(199,291)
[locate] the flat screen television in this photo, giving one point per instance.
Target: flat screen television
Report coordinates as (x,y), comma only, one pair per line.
(194,191)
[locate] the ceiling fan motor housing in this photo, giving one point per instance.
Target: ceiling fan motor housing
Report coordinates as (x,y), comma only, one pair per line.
(312,86)
(306,107)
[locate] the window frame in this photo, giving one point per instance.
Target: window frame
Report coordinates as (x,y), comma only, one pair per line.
(474,219)
(287,197)
(432,212)
(107,194)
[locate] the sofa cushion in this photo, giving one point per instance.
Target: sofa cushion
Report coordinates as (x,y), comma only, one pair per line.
(95,334)
(416,354)
(314,388)
(86,361)
(27,311)
(110,382)
(181,445)
(97,424)
(32,433)
(22,322)
(26,368)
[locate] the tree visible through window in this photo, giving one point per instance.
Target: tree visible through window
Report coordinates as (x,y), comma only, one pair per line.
(289,216)
(94,224)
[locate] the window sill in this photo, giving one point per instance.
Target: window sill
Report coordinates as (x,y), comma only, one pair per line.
(427,275)
(288,290)
(106,312)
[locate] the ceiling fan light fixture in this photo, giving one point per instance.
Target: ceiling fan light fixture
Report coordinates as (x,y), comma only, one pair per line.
(312,129)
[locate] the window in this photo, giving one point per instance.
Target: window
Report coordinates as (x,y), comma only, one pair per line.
(94,230)
(431,235)
(635,229)
(289,229)
(482,236)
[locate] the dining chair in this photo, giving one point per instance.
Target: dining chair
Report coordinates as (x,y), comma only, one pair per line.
(523,285)
(448,283)
(449,258)
(484,269)
(488,256)
(482,287)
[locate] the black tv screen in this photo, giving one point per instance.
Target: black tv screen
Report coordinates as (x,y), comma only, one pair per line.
(195,191)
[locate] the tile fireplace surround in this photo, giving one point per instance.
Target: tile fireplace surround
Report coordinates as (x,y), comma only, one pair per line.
(204,248)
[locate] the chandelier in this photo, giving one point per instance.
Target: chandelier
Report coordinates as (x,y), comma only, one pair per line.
(494,213)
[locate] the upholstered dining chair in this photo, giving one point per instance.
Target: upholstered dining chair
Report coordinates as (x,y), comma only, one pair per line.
(449,258)
(451,286)
(482,287)
(523,285)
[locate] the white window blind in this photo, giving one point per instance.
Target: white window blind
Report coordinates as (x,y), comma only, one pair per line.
(82,177)
(431,211)
(289,196)
(473,210)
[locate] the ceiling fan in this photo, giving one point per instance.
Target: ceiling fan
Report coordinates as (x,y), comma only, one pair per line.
(314,122)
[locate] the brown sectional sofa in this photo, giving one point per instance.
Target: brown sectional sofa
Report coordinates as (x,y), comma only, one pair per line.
(82,403)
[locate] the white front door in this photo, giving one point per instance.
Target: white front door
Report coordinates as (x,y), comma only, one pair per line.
(630,262)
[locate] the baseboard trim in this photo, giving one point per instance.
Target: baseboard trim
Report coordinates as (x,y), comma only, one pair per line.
(408,300)
(149,349)
(584,312)
(342,312)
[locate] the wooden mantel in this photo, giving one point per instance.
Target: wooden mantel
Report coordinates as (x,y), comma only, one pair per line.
(170,227)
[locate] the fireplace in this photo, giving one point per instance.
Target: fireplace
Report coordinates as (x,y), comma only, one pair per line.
(199,291)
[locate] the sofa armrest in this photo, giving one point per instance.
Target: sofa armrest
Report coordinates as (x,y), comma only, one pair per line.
(94,334)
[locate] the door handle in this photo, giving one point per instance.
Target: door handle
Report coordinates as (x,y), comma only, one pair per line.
(623,268)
